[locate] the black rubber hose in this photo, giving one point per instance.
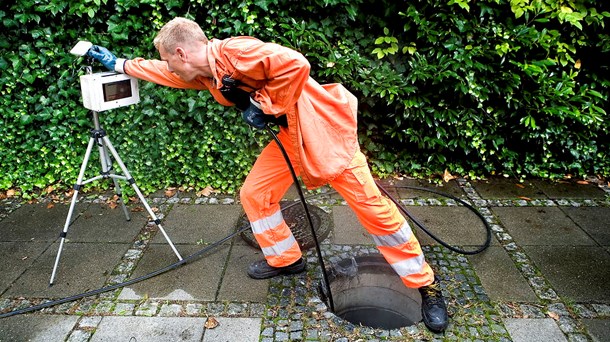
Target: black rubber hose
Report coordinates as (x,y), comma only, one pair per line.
(313,231)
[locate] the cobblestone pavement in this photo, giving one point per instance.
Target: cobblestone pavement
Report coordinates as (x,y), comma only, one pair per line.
(290,308)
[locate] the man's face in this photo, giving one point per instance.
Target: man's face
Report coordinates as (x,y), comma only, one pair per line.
(177,63)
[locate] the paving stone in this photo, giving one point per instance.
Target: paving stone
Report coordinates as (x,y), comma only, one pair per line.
(234,329)
(100,223)
(150,329)
(520,329)
(541,226)
(599,329)
(575,272)
(82,267)
(347,229)
(569,189)
(503,188)
(16,258)
(457,226)
(594,220)
(196,280)
(37,222)
(500,278)
(190,224)
(236,284)
(36,328)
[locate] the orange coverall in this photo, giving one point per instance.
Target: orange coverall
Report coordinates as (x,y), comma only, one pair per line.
(321,141)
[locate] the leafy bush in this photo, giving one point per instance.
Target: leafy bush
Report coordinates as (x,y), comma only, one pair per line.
(475,87)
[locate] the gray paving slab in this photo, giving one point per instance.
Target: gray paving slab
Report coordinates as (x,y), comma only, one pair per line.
(197,280)
(500,277)
(36,328)
(236,285)
(16,258)
(541,226)
(199,223)
(455,225)
(530,330)
(593,220)
(100,223)
(149,329)
(580,273)
(37,222)
(599,329)
(234,329)
(507,188)
(396,187)
(569,189)
(347,229)
(82,267)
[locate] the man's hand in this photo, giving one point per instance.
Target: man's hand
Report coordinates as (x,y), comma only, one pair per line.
(254,115)
(104,56)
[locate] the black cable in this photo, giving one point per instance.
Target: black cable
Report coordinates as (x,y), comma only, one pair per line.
(313,231)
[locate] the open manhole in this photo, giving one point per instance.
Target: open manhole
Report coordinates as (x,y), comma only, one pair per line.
(366,291)
(295,218)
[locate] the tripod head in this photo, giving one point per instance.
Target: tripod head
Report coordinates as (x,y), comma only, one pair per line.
(105,90)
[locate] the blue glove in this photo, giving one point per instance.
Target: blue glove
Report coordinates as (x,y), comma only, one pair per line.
(103,55)
(254,116)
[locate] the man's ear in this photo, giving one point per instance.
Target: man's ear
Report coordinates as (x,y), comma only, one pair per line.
(181,54)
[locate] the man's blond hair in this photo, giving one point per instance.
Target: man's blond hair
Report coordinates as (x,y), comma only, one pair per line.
(179,32)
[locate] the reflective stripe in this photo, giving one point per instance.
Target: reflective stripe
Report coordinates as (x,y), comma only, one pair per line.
(280,247)
(260,226)
(402,236)
(409,266)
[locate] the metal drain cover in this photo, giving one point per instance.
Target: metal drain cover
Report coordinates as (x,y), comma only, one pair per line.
(295,218)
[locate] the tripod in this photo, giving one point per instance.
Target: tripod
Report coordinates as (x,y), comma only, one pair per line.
(99,138)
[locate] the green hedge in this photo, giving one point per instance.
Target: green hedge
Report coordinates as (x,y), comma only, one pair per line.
(475,87)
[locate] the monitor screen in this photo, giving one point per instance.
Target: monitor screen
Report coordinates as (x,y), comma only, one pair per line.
(117,90)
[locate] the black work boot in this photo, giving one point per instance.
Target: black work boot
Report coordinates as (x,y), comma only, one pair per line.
(261,269)
(433,308)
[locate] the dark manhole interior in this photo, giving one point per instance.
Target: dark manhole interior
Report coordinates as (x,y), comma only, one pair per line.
(295,218)
(366,291)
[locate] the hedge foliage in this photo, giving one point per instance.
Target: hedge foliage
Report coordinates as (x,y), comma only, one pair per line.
(482,87)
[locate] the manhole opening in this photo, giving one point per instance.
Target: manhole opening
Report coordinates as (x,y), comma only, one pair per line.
(366,291)
(295,218)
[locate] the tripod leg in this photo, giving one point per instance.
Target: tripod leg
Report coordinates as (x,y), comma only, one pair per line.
(131,181)
(107,170)
(79,183)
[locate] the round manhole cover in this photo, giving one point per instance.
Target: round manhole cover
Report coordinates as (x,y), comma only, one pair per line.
(367,291)
(295,218)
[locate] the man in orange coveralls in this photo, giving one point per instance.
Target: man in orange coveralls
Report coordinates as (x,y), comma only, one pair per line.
(271,83)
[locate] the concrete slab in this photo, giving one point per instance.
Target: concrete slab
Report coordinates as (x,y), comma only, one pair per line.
(500,277)
(37,222)
(82,267)
(529,329)
(541,226)
(236,284)
(569,189)
(454,225)
(580,273)
(234,329)
(36,328)
(150,329)
(396,187)
(594,220)
(197,280)
(599,329)
(192,223)
(348,230)
(16,258)
(507,188)
(100,223)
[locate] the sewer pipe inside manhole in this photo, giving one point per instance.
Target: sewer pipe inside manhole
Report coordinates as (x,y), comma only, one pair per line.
(366,291)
